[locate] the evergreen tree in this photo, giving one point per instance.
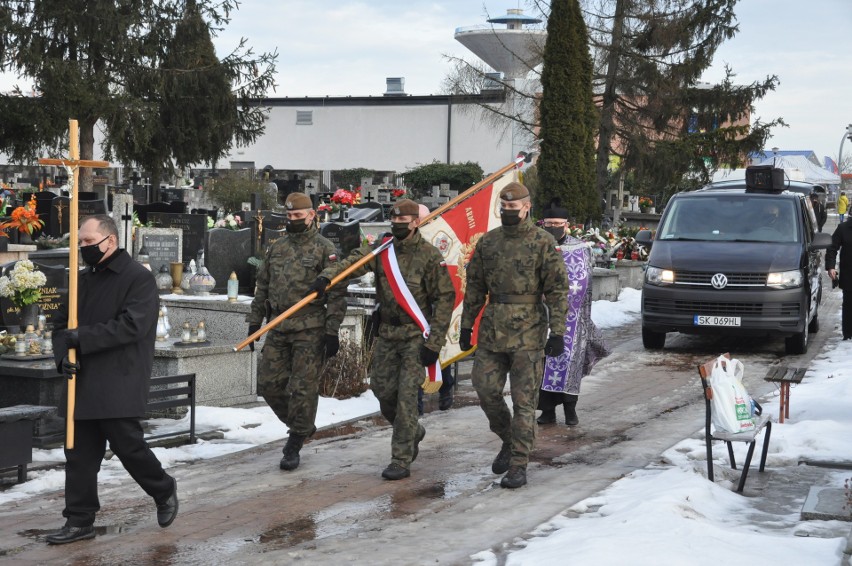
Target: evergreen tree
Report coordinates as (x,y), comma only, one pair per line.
(567,115)
(125,64)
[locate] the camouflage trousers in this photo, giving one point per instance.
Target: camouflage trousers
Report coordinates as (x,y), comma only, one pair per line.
(489,378)
(395,378)
(288,377)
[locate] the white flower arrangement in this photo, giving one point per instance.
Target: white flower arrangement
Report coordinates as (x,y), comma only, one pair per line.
(23,283)
(230,221)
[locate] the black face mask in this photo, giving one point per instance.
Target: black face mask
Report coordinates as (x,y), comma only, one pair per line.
(400,230)
(297,226)
(509,217)
(557,232)
(92,255)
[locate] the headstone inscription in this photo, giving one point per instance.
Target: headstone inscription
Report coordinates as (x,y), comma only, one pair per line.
(345,237)
(194,228)
(164,245)
(264,221)
(54,294)
(229,251)
(90,207)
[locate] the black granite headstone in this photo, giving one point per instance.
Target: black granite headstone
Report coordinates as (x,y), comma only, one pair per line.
(260,228)
(346,237)
(140,195)
(162,250)
(194,228)
(228,250)
(378,216)
(54,294)
(143,210)
(58,217)
(269,237)
(91,207)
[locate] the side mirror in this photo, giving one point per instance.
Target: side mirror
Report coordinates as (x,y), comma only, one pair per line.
(646,238)
(821,241)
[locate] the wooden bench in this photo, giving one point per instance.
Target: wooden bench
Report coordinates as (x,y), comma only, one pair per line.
(785,376)
(163,395)
(16,436)
(729,438)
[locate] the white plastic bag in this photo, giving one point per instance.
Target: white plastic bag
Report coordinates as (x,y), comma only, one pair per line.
(731,406)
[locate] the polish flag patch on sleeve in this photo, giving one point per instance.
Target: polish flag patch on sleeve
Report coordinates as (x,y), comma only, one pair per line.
(332,257)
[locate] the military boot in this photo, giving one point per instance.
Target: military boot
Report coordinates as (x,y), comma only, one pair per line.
(548,416)
(501,462)
(420,434)
(516,477)
(570,411)
(290,461)
(395,472)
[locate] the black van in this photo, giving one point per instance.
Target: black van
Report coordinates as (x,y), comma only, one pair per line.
(735,261)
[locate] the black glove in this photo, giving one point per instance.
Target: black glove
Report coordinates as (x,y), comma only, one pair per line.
(332,345)
(428,357)
(72,338)
(465,336)
(69,369)
(319,286)
(555,346)
(252,329)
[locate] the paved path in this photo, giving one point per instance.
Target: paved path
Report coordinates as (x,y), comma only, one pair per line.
(241,509)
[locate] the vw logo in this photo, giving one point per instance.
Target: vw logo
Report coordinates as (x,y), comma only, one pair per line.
(719,281)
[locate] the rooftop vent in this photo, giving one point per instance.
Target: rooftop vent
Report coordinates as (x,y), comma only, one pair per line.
(395,86)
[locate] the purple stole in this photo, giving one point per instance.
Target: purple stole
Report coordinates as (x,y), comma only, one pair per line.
(579,276)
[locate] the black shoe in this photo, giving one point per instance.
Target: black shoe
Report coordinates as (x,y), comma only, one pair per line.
(548,416)
(501,462)
(516,477)
(71,534)
(571,412)
(445,399)
(166,512)
(420,436)
(291,459)
(395,472)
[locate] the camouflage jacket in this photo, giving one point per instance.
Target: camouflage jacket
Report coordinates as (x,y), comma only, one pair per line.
(426,276)
(516,260)
(291,264)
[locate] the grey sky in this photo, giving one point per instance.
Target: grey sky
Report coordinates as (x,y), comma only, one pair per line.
(349,47)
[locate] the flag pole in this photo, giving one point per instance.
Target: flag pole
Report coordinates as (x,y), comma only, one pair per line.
(521,158)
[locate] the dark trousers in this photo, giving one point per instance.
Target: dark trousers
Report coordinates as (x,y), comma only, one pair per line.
(83,463)
(846,314)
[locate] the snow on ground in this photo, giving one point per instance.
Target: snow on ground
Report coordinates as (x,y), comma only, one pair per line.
(669,513)
(697,521)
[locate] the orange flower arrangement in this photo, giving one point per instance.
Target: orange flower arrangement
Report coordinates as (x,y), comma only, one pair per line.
(24,219)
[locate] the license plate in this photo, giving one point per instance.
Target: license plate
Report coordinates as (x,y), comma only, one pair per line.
(702,320)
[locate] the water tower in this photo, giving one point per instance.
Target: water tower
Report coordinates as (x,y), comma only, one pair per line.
(512,50)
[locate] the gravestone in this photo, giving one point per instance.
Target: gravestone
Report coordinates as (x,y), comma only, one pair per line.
(54,294)
(58,216)
(140,194)
(371,194)
(44,200)
(263,222)
(143,210)
(227,251)
(164,245)
(345,236)
(194,228)
(367,212)
(122,215)
(91,207)
(269,237)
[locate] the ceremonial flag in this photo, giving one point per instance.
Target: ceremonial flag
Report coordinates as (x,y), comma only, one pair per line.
(455,234)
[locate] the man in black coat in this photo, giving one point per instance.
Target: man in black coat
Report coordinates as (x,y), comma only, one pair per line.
(841,241)
(819,211)
(118,309)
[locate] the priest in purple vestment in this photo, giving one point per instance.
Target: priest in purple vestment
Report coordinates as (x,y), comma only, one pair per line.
(584,344)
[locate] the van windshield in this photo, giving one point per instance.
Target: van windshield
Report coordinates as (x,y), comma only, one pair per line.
(731,218)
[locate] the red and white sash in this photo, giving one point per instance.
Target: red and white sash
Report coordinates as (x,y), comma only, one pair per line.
(405,299)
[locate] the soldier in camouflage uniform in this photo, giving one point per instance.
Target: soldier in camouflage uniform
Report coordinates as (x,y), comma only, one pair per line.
(294,351)
(514,267)
(401,353)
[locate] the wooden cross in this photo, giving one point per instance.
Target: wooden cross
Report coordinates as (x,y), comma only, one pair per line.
(74,163)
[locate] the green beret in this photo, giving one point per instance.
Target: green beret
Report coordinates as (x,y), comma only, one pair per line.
(298,201)
(405,207)
(514,191)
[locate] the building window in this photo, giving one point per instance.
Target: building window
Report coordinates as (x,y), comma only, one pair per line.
(304,117)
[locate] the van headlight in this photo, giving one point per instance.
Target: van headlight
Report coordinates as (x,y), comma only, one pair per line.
(657,276)
(785,279)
